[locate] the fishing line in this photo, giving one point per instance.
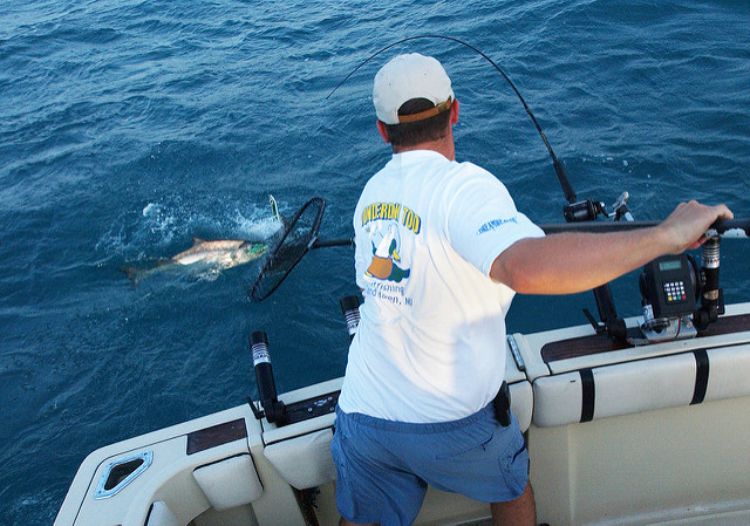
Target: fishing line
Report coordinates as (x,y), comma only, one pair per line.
(570,194)
(301,233)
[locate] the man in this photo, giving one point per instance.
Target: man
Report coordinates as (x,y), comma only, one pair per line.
(440,252)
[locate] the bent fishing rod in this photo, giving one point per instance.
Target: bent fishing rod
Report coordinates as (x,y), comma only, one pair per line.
(576,213)
(573,211)
(296,242)
(562,177)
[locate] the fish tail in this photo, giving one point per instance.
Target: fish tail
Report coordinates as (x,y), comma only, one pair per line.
(138,274)
(133,274)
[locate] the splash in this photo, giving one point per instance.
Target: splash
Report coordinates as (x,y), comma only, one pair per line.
(160,221)
(143,239)
(255,227)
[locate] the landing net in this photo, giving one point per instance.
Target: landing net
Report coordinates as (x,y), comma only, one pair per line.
(298,237)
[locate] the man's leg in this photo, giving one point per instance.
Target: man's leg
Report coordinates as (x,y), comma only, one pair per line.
(519,512)
(373,482)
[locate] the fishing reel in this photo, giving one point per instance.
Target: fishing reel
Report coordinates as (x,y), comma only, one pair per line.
(588,210)
(671,289)
(583,211)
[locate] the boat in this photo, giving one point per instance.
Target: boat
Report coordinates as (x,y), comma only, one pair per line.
(653,434)
(627,422)
(630,421)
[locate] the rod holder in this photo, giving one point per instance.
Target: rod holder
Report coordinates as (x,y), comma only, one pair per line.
(350,309)
(273,409)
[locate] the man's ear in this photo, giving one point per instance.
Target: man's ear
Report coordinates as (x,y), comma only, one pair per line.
(454,111)
(383,131)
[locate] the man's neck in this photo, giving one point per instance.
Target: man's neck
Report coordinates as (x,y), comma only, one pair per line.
(445,146)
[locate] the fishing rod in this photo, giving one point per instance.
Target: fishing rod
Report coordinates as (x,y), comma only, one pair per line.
(562,176)
(295,243)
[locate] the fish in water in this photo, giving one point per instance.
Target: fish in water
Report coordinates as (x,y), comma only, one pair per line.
(210,256)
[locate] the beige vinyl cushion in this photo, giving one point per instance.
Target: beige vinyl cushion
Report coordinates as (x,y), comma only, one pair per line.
(161,515)
(230,482)
(304,461)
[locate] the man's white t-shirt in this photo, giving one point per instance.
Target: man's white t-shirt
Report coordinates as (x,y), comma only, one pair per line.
(430,346)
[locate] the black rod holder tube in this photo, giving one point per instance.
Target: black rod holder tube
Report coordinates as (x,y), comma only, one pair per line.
(712,298)
(273,409)
(350,309)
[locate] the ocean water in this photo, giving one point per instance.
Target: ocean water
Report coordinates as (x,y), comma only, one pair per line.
(127,127)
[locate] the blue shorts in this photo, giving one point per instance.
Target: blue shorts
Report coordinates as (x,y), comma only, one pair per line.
(384,467)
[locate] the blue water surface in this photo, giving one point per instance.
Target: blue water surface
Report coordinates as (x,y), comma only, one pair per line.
(127,127)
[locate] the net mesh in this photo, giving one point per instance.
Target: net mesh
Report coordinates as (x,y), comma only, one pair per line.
(297,238)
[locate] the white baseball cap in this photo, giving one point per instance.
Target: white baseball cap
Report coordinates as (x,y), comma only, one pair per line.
(406,77)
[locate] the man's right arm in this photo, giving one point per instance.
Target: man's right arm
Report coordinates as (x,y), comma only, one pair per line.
(576,262)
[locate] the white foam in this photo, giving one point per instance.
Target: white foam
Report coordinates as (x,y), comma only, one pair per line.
(148,209)
(257,228)
(159,221)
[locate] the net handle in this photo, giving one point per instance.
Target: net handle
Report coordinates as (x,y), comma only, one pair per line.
(343,242)
(733,228)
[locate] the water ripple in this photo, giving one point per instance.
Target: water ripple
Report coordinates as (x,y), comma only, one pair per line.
(127,127)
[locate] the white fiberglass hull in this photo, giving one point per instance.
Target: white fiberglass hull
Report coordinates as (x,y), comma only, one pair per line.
(645,435)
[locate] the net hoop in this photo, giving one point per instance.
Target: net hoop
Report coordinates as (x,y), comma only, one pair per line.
(277,264)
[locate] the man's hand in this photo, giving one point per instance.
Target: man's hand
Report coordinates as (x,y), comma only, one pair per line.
(685,226)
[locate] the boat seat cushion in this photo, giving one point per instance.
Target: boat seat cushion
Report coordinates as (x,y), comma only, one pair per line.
(729,370)
(643,385)
(161,515)
(230,482)
(522,403)
(304,461)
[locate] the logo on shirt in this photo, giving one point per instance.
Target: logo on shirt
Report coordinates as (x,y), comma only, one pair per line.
(495,224)
(383,223)
(385,253)
(392,212)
